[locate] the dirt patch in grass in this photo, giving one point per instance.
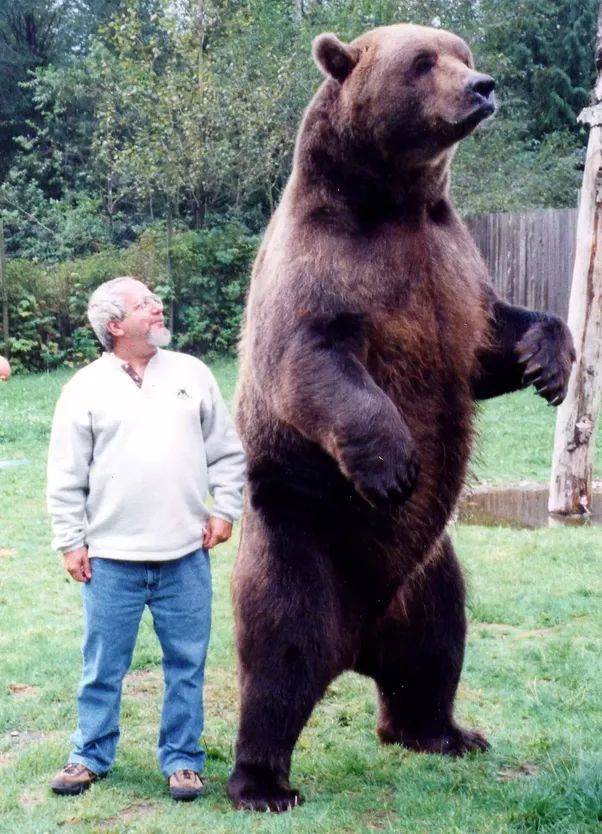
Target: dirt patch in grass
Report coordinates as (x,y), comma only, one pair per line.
(130,813)
(143,682)
(23,689)
(514,632)
(221,693)
(23,738)
(7,552)
(509,774)
(33,798)
(468,692)
(15,741)
(380,819)
(70,821)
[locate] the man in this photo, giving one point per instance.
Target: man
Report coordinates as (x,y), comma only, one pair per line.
(139,437)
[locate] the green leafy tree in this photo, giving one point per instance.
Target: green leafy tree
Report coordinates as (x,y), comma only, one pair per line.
(167,127)
(30,38)
(34,35)
(544,54)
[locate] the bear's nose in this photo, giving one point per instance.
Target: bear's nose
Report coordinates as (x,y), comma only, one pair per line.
(481,84)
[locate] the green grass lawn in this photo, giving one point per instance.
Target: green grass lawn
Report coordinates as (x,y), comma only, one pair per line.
(531,680)
(515,440)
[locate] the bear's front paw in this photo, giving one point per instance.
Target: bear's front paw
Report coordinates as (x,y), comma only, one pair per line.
(383,472)
(546,351)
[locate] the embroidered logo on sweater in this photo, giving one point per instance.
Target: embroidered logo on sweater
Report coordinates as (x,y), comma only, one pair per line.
(183,394)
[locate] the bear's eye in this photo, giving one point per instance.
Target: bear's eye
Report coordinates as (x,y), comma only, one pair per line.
(423,64)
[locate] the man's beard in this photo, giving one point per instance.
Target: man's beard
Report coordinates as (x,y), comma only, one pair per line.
(159,337)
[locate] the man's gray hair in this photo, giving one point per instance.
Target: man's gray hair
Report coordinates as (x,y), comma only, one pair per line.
(105,305)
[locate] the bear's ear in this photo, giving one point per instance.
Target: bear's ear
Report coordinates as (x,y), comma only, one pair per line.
(333,58)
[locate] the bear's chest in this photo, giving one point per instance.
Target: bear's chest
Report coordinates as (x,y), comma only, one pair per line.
(430,320)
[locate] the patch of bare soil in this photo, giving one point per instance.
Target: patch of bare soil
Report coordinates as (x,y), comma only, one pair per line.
(33,798)
(221,693)
(23,689)
(515,632)
(131,813)
(509,774)
(23,738)
(16,740)
(143,682)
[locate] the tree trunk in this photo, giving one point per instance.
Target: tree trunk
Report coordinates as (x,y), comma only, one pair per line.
(301,8)
(201,32)
(169,225)
(4,294)
(298,9)
(575,439)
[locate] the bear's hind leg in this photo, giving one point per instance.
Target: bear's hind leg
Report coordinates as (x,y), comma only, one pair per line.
(286,624)
(416,659)
(275,706)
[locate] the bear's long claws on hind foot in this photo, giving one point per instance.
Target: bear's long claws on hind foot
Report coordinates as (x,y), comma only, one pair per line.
(265,803)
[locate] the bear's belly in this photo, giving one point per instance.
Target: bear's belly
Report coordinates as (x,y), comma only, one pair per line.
(422,359)
(293,481)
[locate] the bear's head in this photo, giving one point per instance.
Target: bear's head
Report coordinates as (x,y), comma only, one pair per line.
(407,93)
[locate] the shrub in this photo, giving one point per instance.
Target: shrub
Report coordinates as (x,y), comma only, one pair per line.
(204,294)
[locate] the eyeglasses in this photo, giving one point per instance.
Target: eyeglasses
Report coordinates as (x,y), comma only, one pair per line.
(147,302)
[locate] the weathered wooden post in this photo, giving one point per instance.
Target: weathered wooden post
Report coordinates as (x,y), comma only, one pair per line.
(575,439)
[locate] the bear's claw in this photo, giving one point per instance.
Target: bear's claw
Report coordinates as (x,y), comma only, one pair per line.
(277,801)
(546,351)
(453,742)
(384,473)
(256,789)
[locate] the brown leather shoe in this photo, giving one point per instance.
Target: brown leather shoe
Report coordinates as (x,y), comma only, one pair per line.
(74,779)
(185,785)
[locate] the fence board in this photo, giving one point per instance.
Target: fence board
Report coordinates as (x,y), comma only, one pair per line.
(530,255)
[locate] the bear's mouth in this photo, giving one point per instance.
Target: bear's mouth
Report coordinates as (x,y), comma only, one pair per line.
(483,108)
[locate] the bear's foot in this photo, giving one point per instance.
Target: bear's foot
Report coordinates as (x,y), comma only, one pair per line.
(453,741)
(259,792)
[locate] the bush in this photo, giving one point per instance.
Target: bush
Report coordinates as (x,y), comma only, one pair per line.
(210,278)
(498,170)
(204,295)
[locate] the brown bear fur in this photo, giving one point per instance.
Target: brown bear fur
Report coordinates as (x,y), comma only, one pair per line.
(370,331)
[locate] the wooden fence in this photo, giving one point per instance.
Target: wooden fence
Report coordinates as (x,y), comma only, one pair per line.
(530,255)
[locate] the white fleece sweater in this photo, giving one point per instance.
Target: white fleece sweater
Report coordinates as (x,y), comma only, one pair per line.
(129,468)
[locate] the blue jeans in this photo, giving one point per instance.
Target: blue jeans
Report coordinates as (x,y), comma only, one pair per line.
(178,594)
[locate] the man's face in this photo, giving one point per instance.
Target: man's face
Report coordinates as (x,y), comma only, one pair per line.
(143,321)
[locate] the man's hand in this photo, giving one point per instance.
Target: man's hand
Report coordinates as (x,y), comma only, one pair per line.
(77,564)
(216,532)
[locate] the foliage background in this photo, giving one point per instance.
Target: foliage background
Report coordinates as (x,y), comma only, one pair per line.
(155,136)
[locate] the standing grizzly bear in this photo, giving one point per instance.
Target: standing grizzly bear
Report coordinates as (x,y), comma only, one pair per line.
(370,331)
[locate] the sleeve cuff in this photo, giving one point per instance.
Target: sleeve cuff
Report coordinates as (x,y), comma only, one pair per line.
(223,515)
(62,549)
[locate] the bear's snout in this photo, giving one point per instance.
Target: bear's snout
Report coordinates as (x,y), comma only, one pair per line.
(480,88)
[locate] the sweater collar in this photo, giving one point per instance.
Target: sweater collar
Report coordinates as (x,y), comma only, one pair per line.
(126,367)
(109,356)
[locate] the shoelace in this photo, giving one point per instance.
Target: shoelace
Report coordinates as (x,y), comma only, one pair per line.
(73,768)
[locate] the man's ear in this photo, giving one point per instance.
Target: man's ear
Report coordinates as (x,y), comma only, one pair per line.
(114,327)
(334,58)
